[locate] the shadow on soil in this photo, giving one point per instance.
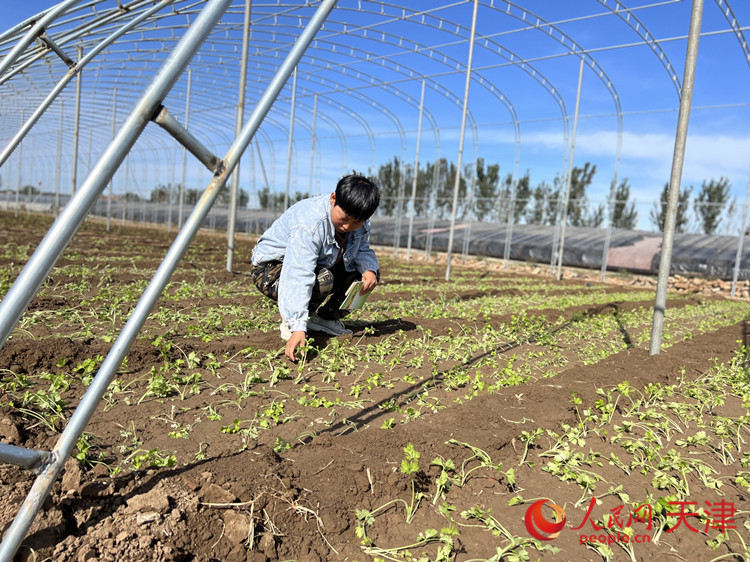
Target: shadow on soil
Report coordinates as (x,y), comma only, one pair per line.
(375,411)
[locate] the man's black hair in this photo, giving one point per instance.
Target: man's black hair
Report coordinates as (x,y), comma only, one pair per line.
(358,196)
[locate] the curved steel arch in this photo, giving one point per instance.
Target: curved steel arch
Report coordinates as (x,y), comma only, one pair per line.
(529,69)
(647,37)
(726,9)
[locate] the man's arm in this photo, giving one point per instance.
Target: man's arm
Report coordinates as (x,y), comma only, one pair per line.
(295,285)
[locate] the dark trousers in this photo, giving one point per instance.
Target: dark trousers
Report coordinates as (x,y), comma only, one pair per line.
(329,283)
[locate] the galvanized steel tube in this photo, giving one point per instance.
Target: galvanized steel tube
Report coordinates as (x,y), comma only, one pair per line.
(181,203)
(291,140)
(168,122)
(62,231)
(665,261)
(114,130)
(564,210)
(36,29)
(30,459)
(457,183)
(26,127)
(240,116)
(416,175)
(740,240)
(58,158)
(76,125)
(312,145)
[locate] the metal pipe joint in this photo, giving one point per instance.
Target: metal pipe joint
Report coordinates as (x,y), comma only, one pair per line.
(167,121)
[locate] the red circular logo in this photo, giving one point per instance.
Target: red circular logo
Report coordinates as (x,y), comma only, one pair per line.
(539,527)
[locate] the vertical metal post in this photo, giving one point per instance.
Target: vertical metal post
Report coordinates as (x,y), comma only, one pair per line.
(433,207)
(312,145)
(291,138)
(252,171)
(612,202)
(56,209)
(181,202)
(125,197)
(564,214)
(240,114)
(416,175)
(472,214)
(7,188)
(740,240)
(30,185)
(88,158)
(114,130)
(170,187)
(686,98)
(76,125)
(556,230)
(513,189)
(457,183)
(400,196)
(20,174)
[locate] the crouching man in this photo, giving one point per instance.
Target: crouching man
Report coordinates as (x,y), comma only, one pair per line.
(317,249)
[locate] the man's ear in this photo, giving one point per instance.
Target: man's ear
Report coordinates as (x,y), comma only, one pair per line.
(333,199)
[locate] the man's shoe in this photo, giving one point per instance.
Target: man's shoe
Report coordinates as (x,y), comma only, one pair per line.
(334,327)
(286,333)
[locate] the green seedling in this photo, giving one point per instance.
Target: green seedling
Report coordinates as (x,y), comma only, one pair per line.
(409,466)
(479,455)
(150,459)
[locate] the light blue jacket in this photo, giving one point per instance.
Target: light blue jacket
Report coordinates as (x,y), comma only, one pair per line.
(303,238)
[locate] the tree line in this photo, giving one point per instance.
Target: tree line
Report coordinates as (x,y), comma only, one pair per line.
(267,199)
(485,196)
(162,194)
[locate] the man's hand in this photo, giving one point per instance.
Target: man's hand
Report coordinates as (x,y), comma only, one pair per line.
(295,340)
(369,280)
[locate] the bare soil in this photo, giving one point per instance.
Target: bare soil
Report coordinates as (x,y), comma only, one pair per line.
(290,489)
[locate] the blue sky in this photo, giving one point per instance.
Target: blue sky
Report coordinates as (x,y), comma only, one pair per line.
(718,143)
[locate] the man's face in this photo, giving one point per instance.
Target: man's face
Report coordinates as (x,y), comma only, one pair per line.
(342,222)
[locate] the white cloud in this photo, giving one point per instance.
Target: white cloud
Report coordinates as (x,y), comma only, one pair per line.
(647,157)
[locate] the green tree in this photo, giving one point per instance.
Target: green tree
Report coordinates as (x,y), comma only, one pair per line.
(595,218)
(658,214)
(710,203)
(624,214)
(486,189)
(160,194)
(29,190)
(544,208)
(523,193)
(443,191)
(224,197)
(438,171)
(425,178)
(504,196)
(274,201)
(269,201)
(578,204)
(389,181)
(191,196)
